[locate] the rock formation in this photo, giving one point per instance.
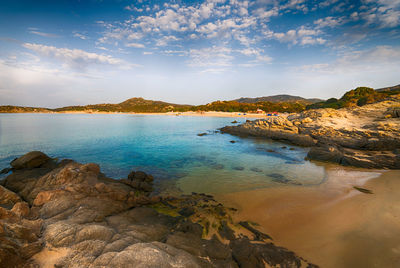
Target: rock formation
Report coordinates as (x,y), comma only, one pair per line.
(367,136)
(67,214)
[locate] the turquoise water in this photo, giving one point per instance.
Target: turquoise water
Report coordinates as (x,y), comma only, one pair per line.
(166,146)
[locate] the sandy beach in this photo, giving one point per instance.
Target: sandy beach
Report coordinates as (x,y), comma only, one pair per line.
(332,224)
(205,114)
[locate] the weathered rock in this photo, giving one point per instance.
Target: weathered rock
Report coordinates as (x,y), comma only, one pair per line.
(368,130)
(30,160)
(109,223)
(8,198)
(327,154)
(349,157)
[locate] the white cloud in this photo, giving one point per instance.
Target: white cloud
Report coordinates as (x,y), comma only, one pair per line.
(302,36)
(44,34)
(210,57)
(74,58)
(165,40)
(379,58)
(135,45)
(385,13)
(79,35)
(329,21)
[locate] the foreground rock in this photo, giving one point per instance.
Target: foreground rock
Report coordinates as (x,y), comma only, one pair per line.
(367,136)
(66,214)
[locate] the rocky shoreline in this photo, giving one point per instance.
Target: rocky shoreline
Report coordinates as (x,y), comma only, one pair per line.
(367,136)
(66,214)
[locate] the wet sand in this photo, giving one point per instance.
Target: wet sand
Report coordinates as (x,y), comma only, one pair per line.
(332,224)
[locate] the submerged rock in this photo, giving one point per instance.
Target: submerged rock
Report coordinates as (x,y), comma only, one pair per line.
(104,222)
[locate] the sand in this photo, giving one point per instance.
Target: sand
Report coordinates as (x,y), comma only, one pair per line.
(331,225)
(202,114)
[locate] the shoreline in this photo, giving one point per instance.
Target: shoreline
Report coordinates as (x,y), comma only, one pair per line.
(331,224)
(204,114)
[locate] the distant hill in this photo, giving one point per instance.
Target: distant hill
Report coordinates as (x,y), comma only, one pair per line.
(235,106)
(279,103)
(357,97)
(393,88)
(22,109)
(278,98)
(133,105)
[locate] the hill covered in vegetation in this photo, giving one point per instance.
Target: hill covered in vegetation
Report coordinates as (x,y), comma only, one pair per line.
(133,105)
(278,103)
(279,98)
(357,97)
(22,109)
(235,106)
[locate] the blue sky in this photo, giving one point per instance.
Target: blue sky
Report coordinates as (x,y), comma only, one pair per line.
(57,53)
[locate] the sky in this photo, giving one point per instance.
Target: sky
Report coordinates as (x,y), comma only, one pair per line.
(59,53)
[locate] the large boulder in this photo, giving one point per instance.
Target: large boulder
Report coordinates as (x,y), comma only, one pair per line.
(30,160)
(325,153)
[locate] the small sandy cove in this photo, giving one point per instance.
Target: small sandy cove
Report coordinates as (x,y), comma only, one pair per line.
(332,224)
(205,114)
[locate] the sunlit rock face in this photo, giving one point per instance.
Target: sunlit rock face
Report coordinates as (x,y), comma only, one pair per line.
(367,136)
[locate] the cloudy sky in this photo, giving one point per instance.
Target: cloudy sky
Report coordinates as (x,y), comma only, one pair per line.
(57,53)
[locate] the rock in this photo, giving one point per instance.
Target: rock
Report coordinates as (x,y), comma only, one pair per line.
(5,170)
(21,209)
(139,180)
(7,198)
(217,166)
(275,128)
(327,154)
(238,168)
(357,158)
(306,120)
(140,176)
(259,236)
(368,130)
(254,169)
(232,141)
(145,186)
(110,223)
(201,134)
(187,211)
(258,255)
(30,160)
(363,190)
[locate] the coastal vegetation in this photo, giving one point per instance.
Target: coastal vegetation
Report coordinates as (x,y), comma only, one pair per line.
(357,97)
(279,103)
(234,106)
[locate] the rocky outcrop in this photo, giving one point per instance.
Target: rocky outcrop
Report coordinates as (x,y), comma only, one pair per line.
(357,158)
(367,136)
(276,128)
(67,214)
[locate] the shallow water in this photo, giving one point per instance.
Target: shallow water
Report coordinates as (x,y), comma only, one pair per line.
(166,146)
